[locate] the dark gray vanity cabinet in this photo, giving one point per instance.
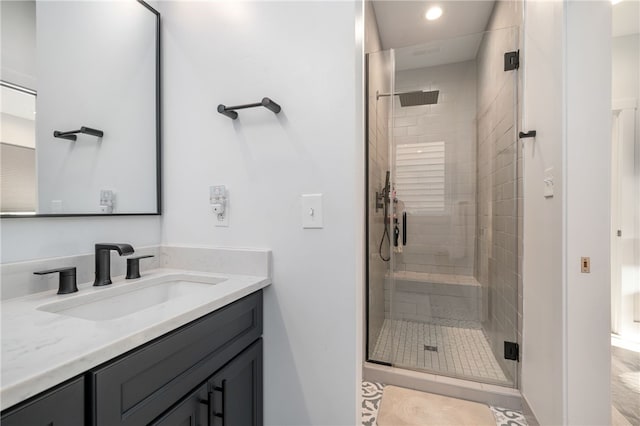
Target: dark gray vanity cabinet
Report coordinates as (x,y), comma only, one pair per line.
(192,411)
(237,390)
(141,385)
(231,397)
(207,372)
(61,406)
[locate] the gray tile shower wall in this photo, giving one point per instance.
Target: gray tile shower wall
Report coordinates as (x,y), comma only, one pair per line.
(442,242)
(497,265)
(378,164)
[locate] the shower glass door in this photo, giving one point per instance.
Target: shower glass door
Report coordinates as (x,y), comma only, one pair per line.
(452,285)
(381,344)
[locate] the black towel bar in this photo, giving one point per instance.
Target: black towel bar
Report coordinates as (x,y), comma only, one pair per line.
(230,112)
(71,135)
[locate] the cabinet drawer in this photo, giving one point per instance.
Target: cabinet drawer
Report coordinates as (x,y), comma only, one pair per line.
(63,406)
(141,385)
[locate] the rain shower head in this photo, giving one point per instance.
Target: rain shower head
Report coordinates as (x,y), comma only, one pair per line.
(421,97)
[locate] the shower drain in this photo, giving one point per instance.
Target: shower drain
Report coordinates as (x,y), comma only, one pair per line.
(431,348)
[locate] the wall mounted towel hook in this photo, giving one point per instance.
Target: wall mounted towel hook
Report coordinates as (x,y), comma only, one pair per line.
(230,112)
(71,134)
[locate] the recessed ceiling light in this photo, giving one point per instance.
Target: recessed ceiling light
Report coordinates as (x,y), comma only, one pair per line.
(614,2)
(433,13)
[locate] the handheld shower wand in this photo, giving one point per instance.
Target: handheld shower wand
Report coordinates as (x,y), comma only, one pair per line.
(385,202)
(387,187)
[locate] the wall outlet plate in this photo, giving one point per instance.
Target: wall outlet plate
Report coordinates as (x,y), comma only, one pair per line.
(222,220)
(219,200)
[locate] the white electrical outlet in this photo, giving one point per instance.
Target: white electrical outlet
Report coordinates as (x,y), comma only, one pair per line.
(219,199)
(107,201)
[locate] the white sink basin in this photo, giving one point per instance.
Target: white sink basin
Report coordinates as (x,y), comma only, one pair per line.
(128,298)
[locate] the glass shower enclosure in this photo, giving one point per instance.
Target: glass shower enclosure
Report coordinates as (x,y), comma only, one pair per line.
(443,196)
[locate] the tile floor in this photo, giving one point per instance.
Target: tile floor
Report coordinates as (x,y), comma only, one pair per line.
(625,384)
(459,351)
(372,397)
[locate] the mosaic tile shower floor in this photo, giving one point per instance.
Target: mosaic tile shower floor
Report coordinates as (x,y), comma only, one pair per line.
(372,396)
(440,348)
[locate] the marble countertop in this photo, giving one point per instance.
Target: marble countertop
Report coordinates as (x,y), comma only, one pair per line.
(42,349)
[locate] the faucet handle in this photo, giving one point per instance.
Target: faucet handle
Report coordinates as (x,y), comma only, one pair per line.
(133,266)
(68,283)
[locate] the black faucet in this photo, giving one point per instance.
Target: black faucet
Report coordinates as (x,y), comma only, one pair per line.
(103,260)
(67,283)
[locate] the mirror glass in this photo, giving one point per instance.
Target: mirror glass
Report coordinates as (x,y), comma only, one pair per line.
(79,107)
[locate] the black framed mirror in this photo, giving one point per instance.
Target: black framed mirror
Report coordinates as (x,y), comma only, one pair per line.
(80,109)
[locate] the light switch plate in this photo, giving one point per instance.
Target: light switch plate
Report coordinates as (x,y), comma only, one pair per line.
(548,183)
(312,211)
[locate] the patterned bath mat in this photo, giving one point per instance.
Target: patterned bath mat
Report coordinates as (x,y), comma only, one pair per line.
(371,397)
(408,407)
(506,417)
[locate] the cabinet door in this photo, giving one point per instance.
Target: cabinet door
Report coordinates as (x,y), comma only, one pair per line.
(141,385)
(63,406)
(191,411)
(237,390)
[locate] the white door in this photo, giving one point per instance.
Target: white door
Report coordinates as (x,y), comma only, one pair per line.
(625,222)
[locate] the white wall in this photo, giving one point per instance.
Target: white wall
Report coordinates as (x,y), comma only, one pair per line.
(626,66)
(587,212)
(542,354)
(37,238)
(18,35)
(565,360)
(96,68)
(304,56)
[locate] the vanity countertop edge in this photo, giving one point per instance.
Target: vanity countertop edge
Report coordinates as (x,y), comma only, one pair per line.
(42,349)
